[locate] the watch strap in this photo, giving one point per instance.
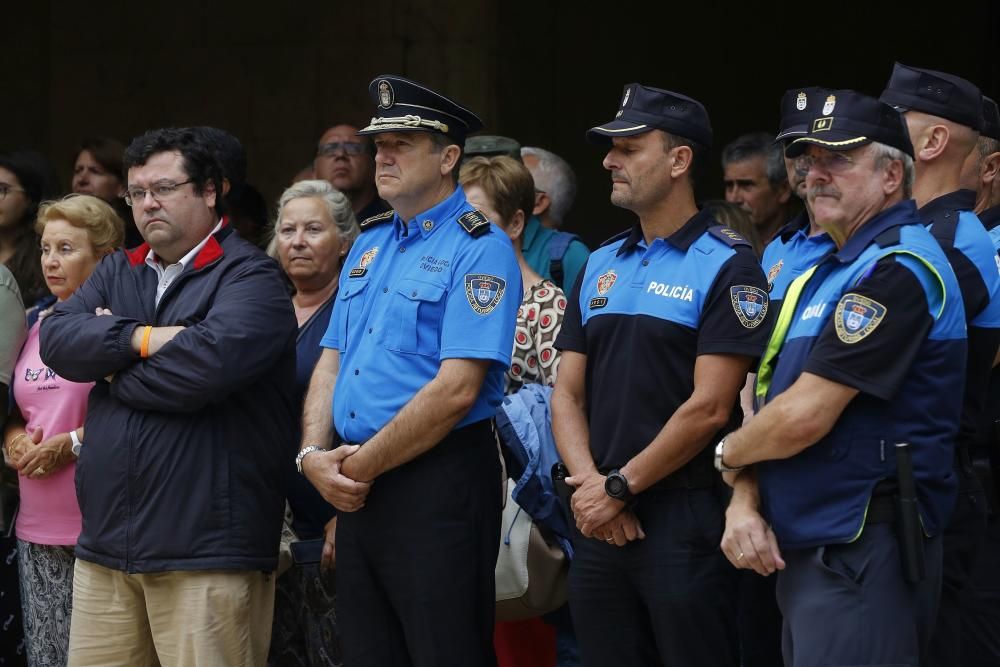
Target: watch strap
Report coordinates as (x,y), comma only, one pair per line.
(305,452)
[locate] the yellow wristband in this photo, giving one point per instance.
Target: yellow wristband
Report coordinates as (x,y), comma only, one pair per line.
(144,347)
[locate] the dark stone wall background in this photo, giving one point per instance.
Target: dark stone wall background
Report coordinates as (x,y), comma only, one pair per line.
(277,74)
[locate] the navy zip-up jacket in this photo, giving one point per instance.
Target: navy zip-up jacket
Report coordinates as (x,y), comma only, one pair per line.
(184,455)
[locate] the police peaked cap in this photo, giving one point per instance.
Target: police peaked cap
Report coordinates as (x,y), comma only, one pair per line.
(935,93)
(407,106)
(643,109)
(847,120)
(798,106)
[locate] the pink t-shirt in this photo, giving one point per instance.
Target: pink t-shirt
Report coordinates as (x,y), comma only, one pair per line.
(49,511)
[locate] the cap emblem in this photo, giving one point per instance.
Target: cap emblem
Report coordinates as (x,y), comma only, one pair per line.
(831,102)
(821,124)
(800,101)
(628,91)
(385,94)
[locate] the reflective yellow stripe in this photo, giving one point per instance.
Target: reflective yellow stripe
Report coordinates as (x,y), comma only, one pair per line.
(766,370)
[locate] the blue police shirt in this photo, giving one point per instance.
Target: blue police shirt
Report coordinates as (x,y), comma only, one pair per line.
(415,292)
(643,313)
(881,316)
(970,251)
(791,252)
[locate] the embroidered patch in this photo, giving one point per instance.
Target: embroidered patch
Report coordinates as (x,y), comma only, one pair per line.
(829,105)
(474,222)
(773,272)
(484,291)
(801,100)
(856,317)
(607,280)
(598,302)
(362,267)
(750,304)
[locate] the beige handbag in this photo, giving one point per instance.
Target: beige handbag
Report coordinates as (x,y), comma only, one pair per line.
(530,572)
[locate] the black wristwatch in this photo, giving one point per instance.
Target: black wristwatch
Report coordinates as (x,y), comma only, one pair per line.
(616,486)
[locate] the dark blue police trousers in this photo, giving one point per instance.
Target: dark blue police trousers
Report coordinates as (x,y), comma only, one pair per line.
(667,600)
(849,604)
(415,583)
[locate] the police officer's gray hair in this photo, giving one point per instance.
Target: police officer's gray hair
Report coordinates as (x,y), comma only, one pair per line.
(337,203)
(758,144)
(883,155)
(554,177)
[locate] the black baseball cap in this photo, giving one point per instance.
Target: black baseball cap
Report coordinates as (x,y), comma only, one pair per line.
(936,93)
(848,120)
(644,108)
(798,107)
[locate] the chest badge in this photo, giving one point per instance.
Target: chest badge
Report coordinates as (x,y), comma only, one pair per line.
(606,281)
(856,317)
(750,304)
(484,291)
(362,267)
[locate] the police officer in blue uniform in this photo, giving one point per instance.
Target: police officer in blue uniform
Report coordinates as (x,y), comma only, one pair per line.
(413,365)
(943,113)
(980,603)
(801,243)
(797,246)
(658,337)
(982,168)
(867,354)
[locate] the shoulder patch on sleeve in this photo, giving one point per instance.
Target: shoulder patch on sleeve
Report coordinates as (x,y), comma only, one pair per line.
(750,304)
(474,223)
(368,223)
(856,317)
(728,236)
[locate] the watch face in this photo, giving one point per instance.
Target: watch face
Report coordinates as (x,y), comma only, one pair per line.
(615,486)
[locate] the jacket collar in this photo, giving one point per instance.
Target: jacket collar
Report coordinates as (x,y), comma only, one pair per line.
(903,213)
(211,251)
(681,239)
(942,207)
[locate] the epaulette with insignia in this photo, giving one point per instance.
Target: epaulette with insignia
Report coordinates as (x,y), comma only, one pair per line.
(616,237)
(889,237)
(727,236)
(475,223)
(368,223)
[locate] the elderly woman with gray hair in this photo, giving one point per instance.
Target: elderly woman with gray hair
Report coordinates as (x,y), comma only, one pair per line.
(314,230)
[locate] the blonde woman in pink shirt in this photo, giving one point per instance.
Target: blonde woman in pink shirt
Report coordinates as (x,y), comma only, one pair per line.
(44,435)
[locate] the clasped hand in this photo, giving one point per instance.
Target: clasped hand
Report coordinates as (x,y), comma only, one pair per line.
(600,516)
(324,471)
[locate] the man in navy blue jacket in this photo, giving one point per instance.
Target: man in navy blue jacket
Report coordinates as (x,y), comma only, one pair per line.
(191,341)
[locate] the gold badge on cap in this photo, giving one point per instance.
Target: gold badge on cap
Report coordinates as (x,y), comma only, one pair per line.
(822,124)
(801,101)
(831,102)
(385,94)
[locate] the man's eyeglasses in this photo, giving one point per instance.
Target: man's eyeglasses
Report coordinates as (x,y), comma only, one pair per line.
(351,148)
(4,189)
(159,191)
(834,163)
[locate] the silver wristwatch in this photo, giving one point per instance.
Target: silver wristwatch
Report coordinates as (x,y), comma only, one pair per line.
(77,443)
(719,465)
(305,452)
